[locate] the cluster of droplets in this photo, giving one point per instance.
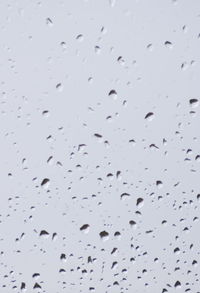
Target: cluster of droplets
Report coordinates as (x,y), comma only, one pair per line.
(100,151)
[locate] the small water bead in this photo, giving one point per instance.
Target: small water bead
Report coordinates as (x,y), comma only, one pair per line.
(23,287)
(177,285)
(140,202)
(168,45)
(49,22)
(59,87)
(103,30)
(150,47)
(104,235)
(90,79)
(185,29)
(80,38)
(194,103)
(63,45)
(45,113)
(125,195)
(37,286)
(132,223)
(197,158)
(132,142)
(113,94)
(184,66)
(50,160)
(120,60)
(63,257)
(159,184)
(117,235)
(36,276)
(85,228)
(62,271)
(45,183)
(97,49)
(149,116)
(44,234)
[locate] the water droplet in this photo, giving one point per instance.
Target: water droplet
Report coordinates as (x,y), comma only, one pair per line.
(37,286)
(159,184)
(140,202)
(44,234)
(85,228)
(23,287)
(36,276)
(59,87)
(63,45)
(97,49)
(104,235)
(80,38)
(194,103)
(168,45)
(63,257)
(113,94)
(149,116)
(150,47)
(177,285)
(50,160)
(49,22)
(45,113)
(45,183)
(103,30)
(124,195)
(132,223)
(120,60)
(197,158)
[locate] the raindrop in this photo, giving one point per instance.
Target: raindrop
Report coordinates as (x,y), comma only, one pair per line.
(90,79)
(59,87)
(184,66)
(194,103)
(36,276)
(103,30)
(23,287)
(85,228)
(149,116)
(49,22)
(44,234)
(121,60)
(104,235)
(150,47)
(132,142)
(50,160)
(37,286)
(177,285)
(117,235)
(124,195)
(159,184)
(197,158)
(97,49)
(139,202)
(79,38)
(63,45)
(63,257)
(45,113)
(132,223)
(45,183)
(113,94)
(168,45)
